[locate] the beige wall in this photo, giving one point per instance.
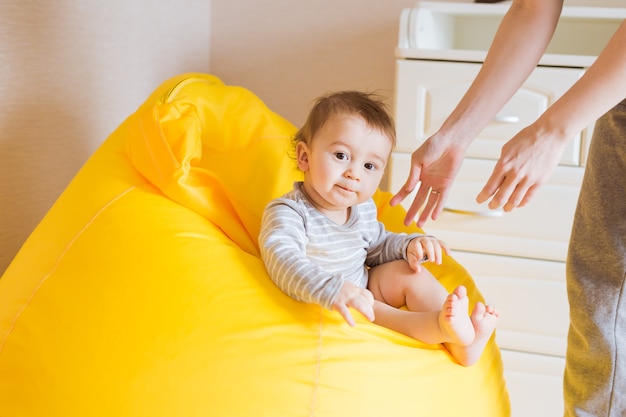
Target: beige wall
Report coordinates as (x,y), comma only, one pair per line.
(289,52)
(70,72)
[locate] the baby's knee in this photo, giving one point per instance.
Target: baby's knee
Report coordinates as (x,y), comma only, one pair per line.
(395,273)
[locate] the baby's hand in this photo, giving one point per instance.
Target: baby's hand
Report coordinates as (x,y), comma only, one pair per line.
(357,298)
(425,248)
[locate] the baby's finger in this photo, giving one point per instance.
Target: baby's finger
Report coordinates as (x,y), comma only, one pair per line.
(444,247)
(415,254)
(429,250)
(438,257)
(363,306)
(435,251)
(367,310)
(345,313)
(414,261)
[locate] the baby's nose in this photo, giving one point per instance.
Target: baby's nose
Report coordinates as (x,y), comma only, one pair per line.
(352,173)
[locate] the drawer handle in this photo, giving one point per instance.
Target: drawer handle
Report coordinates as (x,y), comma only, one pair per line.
(500,118)
(479,213)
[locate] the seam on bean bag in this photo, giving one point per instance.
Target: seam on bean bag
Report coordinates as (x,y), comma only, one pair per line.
(58,261)
(318,365)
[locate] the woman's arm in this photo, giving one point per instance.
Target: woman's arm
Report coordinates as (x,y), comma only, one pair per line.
(519,43)
(529,158)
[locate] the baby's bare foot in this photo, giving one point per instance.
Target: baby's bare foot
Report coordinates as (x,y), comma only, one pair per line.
(484,319)
(454,322)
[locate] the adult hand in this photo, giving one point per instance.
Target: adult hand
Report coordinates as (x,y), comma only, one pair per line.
(357,298)
(526,163)
(433,168)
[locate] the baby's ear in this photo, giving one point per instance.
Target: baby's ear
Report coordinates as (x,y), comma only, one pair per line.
(302,154)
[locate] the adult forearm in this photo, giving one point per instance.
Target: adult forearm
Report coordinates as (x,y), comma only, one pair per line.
(601,87)
(519,43)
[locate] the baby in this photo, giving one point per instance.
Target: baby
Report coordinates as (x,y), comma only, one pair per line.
(322,242)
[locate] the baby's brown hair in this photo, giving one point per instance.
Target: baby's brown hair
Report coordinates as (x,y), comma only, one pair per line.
(368,106)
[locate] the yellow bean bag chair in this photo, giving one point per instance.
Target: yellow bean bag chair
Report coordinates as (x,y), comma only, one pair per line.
(141,292)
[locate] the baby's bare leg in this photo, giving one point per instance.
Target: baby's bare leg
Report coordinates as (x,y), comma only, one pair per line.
(434,316)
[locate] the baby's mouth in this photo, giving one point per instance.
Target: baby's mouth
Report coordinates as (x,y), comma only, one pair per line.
(347,189)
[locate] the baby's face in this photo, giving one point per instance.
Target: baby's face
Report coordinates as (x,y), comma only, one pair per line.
(344,164)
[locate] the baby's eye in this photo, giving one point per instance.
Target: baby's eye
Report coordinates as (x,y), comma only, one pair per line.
(369,166)
(342,156)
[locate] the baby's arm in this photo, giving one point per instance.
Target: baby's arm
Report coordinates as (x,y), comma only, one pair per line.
(425,248)
(282,242)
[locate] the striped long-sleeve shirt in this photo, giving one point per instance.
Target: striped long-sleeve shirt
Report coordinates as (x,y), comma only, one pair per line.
(308,256)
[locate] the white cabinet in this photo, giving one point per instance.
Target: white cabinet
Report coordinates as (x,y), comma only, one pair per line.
(431,89)
(517,259)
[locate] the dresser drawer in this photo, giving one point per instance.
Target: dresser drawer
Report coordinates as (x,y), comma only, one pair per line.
(531,296)
(540,230)
(428,91)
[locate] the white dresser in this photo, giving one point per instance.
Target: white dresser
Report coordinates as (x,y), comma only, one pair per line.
(516,258)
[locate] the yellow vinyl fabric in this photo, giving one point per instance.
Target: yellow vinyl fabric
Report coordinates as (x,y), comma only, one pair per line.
(141,292)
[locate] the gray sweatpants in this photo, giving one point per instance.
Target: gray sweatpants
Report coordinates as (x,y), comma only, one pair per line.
(595,371)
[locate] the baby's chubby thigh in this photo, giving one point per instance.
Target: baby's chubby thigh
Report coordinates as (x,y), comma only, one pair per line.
(397,284)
